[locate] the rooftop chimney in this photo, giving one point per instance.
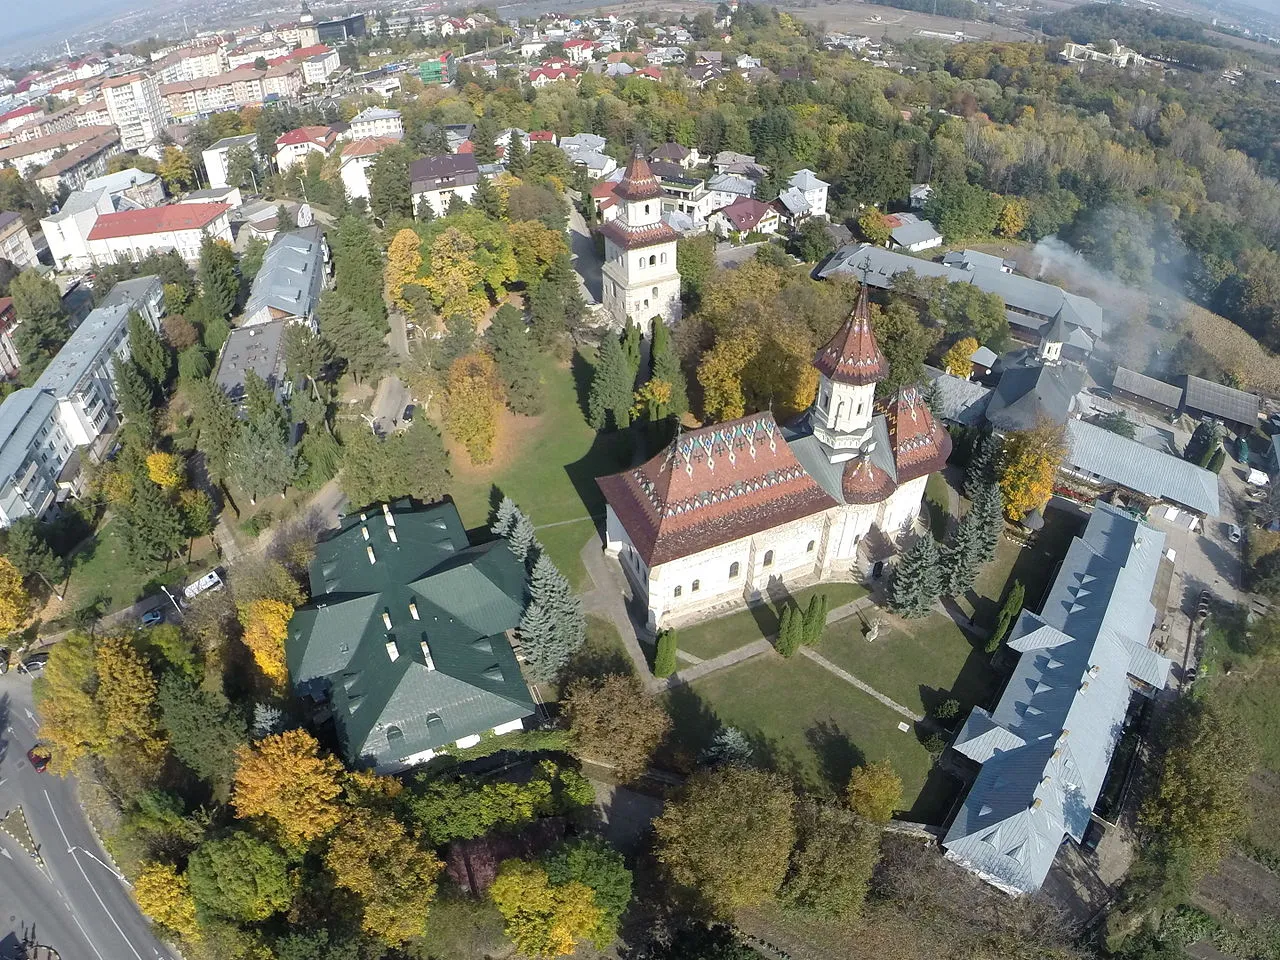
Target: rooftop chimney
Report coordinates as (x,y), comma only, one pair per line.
(369,551)
(413,609)
(426,656)
(386,619)
(392,650)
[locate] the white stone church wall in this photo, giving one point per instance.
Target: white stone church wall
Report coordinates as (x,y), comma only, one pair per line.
(903,506)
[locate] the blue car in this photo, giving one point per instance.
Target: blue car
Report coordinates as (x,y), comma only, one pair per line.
(153,618)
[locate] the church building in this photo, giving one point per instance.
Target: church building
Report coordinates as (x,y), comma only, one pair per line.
(732,510)
(640,280)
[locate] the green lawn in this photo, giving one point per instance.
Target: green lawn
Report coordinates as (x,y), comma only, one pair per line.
(809,724)
(102,569)
(918,663)
(714,637)
(549,470)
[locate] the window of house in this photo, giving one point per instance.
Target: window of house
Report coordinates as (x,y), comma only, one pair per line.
(768,558)
(697,585)
(809,548)
(646,208)
(859,409)
(664,258)
(655,293)
(652,260)
(677,591)
(733,569)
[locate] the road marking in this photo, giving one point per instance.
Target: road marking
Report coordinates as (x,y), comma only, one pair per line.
(86,935)
(92,888)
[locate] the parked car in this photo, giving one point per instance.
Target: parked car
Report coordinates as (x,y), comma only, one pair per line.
(154,617)
(1233,533)
(408,414)
(39,757)
(1102,392)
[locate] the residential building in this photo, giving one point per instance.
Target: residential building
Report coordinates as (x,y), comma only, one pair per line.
(287,286)
(687,157)
(144,189)
(687,195)
(33,155)
(15,241)
(136,108)
(78,165)
(342,30)
(133,234)
(248,54)
(433,180)
(318,65)
(93,113)
(909,232)
(579,50)
(226,91)
(725,188)
(258,349)
(640,279)
(19,116)
(9,362)
(407,636)
(70,411)
(1149,390)
(191,63)
(215,157)
(42,126)
(357,158)
(543,76)
(813,189)
(67,231)
(295,146)
(743,508)
(1116,54)
(229,195)
(1044,752)
(727,160)
(744,216)
(377,122)
(283,81)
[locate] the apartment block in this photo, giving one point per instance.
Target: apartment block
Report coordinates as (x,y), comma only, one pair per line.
(136,107)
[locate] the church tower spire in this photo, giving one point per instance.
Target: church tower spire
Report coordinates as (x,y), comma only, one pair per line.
(849,365)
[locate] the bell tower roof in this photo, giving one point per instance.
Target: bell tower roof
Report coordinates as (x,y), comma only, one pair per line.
(852,355)
(639,182)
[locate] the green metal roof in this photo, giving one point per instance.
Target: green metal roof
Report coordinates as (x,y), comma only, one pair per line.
(407,636)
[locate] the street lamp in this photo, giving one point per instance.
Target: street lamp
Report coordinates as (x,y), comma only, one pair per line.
(55,590)
(171,600)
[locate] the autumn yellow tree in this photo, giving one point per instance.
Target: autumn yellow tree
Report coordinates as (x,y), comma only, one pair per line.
(456,280)
(126,698)
(286,780)
(874,227)
(70,718)
(956,361)
(378,860)
(1028,466)
(1013,218)
(543,920)
(266,626)
(15,604)
(536,247)
(164,895)
(875,791)
(720,374)
(404,260)
(473,397)
(166,470)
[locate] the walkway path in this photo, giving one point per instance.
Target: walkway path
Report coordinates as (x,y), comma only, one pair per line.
(700,670)
(608,599)
(848,677)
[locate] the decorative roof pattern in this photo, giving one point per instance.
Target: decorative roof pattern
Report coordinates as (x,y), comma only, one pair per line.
(639,182)
(852,355)
(642,237)
(865,482)
(920,445)
(712,486)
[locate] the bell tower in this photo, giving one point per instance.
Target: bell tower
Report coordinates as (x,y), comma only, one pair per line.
(849,365)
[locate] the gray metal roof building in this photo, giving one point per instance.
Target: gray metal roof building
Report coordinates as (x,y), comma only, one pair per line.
(406,634)
(963,401)
(288,285)
(1027,394)
(259,348)
(1098,454)
(1223,402)
(1045,749)
(1147,388)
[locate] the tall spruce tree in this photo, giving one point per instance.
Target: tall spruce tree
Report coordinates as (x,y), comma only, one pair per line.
(666,367)
(553,626)
(815,618)
(790,629)
(981,467)
(516,156)
(522,537)
(508,341)
(262,461)
(988,511)
(610,394)
(486,199)
(152,355)
(504,518)
(1009,611)
(219,283)
(964,556)
(153,527)
(631,350)
(917,579)
(28,550)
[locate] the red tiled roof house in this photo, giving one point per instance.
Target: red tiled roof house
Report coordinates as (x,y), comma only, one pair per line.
(133,234)
(742,508)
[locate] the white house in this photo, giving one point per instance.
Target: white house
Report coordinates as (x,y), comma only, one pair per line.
(15,241)
(357,158)
(746,507)
(814,190)
(725,188)
(295,146)
(132,234)
(318,67)
(287,286)
(433,180)
(909,232)
(67,231)
(215,157)
(745,215)
(377,122)
(71,407)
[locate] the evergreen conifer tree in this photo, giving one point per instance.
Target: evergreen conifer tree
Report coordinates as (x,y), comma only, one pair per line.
(515,156)
(917,579)
(219,284)
(153,527)
(486,199)
(815,618)
(610,392)
(148,351)
(791,630)
(504,518)
(553,626)
(963,557)
(1009,611)
(664,657)
(522,537)
(988,511)
(980,470)
(666,367)
(631,350)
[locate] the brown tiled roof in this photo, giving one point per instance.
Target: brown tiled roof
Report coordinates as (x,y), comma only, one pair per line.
(852,355)
(55,141)
(864,482)
(77,155)
(639,182)
(642,237)
(712,486)
(920,444)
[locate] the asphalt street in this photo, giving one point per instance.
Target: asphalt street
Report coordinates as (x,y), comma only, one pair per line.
(74,902)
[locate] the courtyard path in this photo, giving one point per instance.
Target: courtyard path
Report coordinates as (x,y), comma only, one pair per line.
(866,688)
(699,670)
(608,599)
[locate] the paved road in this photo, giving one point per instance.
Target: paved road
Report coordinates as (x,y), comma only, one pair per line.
(388,405)
(727,255)
(75,902)
(586,261)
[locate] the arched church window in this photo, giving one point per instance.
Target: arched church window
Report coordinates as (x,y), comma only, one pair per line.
(646,208)
(768,558)
(697,585)
(677,591)
(640,263)
(809,548)
(652,260)
(733,569)
(664,258)
(840,410)
(655,293)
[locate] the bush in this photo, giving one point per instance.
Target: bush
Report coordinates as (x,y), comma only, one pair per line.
(664,657)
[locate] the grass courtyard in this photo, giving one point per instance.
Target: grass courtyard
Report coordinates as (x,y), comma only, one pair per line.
(806,722)
(548,465)
(714,637)
(101,570)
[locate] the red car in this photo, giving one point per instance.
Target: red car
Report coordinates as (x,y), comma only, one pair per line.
(39,757)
